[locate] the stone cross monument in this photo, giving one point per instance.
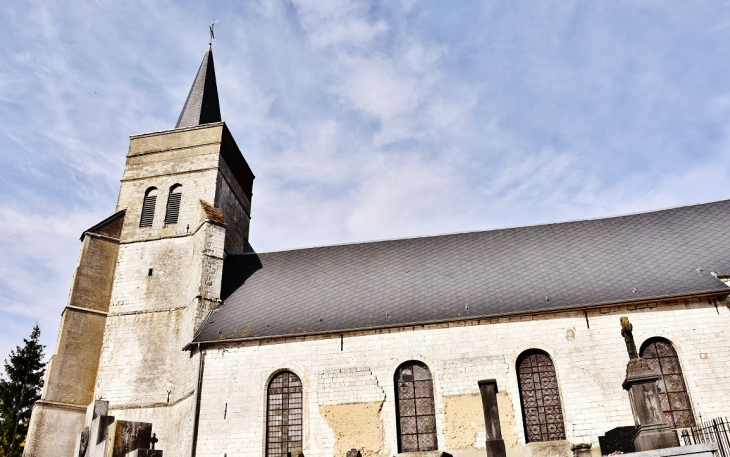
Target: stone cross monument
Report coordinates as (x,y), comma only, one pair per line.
(652,432)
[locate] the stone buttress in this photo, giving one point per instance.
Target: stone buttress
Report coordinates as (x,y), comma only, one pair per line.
(71,372)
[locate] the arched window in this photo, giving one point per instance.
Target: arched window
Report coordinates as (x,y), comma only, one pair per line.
(148,207)
(173,204)
(541,410)
(415,408)
(662,358)
(284,415)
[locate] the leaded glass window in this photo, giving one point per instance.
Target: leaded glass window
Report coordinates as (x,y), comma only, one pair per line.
(662,358)
(415,408)
(541,409)
(284,416)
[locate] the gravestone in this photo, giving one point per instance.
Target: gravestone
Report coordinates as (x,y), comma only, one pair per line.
(83,440)
(144,453)
(104,436)
(124,437)
(495,443)
(619,439)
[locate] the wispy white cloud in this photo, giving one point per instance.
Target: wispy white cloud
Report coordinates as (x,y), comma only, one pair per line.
(338,23)
(36,270)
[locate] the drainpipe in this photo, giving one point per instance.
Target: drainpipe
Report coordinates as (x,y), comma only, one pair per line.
(196,417)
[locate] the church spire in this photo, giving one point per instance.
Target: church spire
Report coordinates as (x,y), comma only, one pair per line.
(202,105)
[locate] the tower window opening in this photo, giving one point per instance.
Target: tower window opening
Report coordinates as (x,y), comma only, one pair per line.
(148,207)
(173,204)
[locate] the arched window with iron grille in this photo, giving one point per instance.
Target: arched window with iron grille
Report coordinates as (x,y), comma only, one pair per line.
(284,415)
(542,412)
(148,207)
(662,358)
(415,409)
(173,204)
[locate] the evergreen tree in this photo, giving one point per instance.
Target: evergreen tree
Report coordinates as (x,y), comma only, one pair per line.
(19,389)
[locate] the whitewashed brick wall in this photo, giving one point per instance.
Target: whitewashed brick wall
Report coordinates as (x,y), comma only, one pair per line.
(336,386)
(590,365)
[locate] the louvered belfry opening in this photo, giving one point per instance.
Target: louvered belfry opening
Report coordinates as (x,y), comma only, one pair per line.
(415,408)
(148,207)
(662,358)
(284,416)
(541,409)
(173,204)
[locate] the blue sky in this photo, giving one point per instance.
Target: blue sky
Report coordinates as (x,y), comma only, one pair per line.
(361,120)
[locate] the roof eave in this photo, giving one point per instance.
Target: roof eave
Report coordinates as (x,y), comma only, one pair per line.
(585,306)
(103,223)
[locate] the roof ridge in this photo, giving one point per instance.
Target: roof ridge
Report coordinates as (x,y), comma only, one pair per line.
(647,257)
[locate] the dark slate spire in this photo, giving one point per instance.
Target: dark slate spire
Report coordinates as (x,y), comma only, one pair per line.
(202,105)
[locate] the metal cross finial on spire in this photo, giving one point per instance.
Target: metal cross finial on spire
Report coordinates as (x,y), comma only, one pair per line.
(211,31)
(201,106)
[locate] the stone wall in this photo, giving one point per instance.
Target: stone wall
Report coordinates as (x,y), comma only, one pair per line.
(349,393)
(167,279)
(52,429)
(236,207)
(142,367)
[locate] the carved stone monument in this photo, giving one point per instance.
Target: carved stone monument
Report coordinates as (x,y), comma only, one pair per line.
(652,432)
(495,443)
(96,416)
(619,439)
(124,437)
(581,449)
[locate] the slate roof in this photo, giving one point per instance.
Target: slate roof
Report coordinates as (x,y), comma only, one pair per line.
(202,105)
(213,213)
(101,224)
(654,255)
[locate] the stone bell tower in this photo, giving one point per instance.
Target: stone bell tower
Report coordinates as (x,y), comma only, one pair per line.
(146,279)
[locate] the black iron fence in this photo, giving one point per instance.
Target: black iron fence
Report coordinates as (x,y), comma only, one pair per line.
(712,431)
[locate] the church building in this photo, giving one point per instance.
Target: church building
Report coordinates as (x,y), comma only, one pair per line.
(173,319)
